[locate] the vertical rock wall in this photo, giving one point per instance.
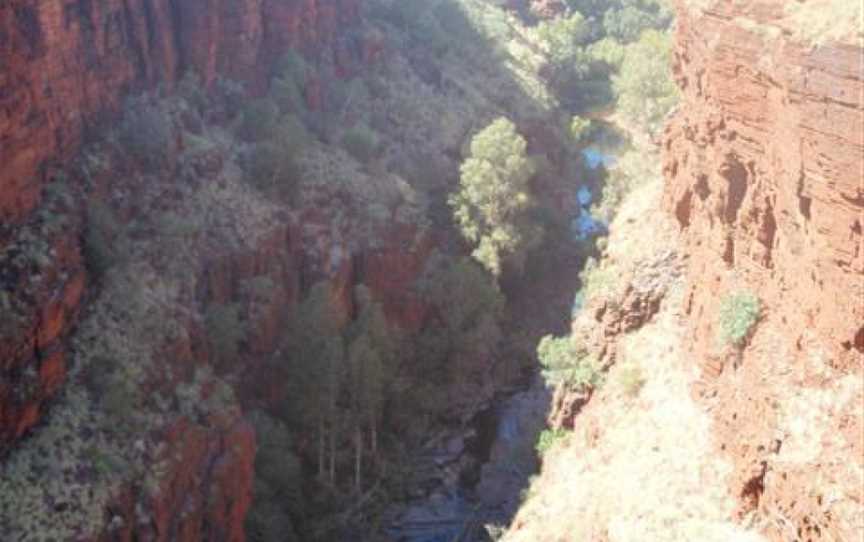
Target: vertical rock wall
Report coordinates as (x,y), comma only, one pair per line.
(764,161)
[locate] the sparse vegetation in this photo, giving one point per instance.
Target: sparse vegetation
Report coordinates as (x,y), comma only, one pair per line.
(549,438)
(739,313)
(826,21)
(631,379)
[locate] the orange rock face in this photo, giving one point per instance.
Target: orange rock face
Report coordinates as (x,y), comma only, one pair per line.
(764,162)
(207,492)
(67,63)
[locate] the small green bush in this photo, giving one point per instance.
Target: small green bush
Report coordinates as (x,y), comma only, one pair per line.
(105,244)
(361,142)
(273,164)
(147,132)
(579,128)
(739,312)
(564,362)
(631,379)
(548,438)
(260,120)
(225,331)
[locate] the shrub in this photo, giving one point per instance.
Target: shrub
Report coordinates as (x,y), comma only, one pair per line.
(631,380)
(598,280)
(564,362)
(361,142)
(225,331)
(146,131)
(739,312)
(548,438)
(259,121)
(104,242)
(579,128)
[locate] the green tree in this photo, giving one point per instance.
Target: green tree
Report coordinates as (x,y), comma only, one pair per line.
(225,331)
(465,325)
(371,355)
(361,142)
(315,367)
(287,87)
(644,86)
(278,483)
(273,164)
(494,196)
(146,131)
(260,120)
(579,128)
(635,16)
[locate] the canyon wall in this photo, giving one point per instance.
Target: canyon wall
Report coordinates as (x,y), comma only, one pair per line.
(66,64)
(763,161)
(66,68)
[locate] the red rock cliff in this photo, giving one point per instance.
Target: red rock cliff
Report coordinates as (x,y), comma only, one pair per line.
(65,67)
(763,162)
(64,63)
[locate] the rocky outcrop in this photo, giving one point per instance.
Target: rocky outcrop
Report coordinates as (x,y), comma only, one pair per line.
(763,162)
(207,488)
(42,286)
(68,64)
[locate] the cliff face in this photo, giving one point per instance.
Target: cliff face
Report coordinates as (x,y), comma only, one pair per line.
(65,64)
(66,68)
(763,162)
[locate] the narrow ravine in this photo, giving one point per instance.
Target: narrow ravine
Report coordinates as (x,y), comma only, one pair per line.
(476,478)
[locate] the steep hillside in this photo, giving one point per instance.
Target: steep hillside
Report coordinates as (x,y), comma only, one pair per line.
(742,419)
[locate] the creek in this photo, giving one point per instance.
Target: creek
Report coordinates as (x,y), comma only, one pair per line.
(480,472)
(475,478)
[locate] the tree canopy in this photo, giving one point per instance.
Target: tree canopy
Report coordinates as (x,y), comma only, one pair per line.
(494,195)
(643,95)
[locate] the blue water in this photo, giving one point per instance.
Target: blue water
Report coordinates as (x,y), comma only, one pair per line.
(596,157)
(584,225)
